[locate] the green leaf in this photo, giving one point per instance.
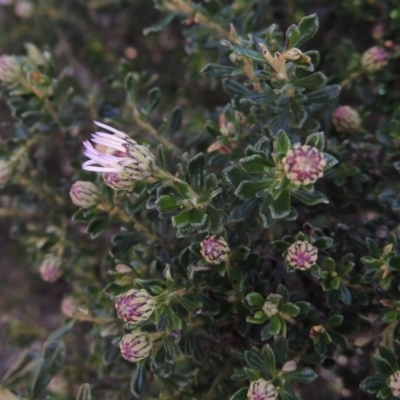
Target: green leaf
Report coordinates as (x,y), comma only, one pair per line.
(330,161)
(269,357)
(323,243)
(292,36)
(241,394)
(255,299)
(317,140)
(393,263)
(153,99)
(166,203)
(385,393)
(372,384)
(131,86)
(298,113)
(22,368)
(192,217)
(248,189)
(245,52)
(308,27)
(190,303)
(334,321)
(325,95)
(242,210)
(174,323)
(196,171)
(98,225)
(389,356)
(139,379)
(281,348)
(217,71)
(309,198)
(282,142)
(289,309)
(304,375)
(53,354)
(390,316)
(161,25)
(84,392)
(255,163)
(345,294)
(175,121)
(259,98)
(255,360)
(275,325)
(382,366)
(280,208)
(313,82)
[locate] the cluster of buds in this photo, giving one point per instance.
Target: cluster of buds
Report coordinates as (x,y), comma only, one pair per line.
(50,269)
(301,255)
(135,306)
(10,70)
(5,172)
(84,194)
(228,128)
(262,390)
(120,156)
(214,249)
(136,346)
(346,119)
(374,59)
(303,164)
(270,308)
(394,384)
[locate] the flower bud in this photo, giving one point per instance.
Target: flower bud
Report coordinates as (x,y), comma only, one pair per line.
(24,9)
(50,269)
(5,172)
(303,164)
(84,194)
(262,390)
(289,366)
(394,384)
(135,346)
(69,306)
(270,308)
(374,59)
(227,129)
(317,331)
(118,153)
(214,249)
(10,69)
(301,255)
(135,305)
(378,31)
(346,119)
(119,180)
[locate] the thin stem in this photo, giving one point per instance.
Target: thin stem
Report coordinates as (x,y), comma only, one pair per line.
(352,76)
(150,130)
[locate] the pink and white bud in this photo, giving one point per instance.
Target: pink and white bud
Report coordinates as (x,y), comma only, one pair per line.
(135,305)
(84,194)
(68,307)
(50,269)
(24,9)
(118,153)
(262,390)
(10,70)
(394,384)
(135,346)
(303,164)
(214,249)
(346,119)
(374,59)
(5,172)
(301,255)
(119,180)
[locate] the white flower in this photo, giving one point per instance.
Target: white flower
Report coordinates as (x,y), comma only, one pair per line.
(118,153)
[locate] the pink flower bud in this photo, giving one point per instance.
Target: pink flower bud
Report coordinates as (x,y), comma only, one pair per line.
(214,249)
(50,269)
(135,346)
(135,305)
(301,255)
(394,383)
(68,306)
(84,194)
(346,119)
(303,164)
(374,59)
(262,390)
(118,180)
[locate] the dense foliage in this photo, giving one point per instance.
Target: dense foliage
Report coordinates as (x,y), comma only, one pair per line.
(231,228)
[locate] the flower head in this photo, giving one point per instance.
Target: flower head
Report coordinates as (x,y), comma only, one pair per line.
(214,249)
(262,390)
(135,305)
(84,194)
(119,180)
(135,346)
(374,59)
(303,164)
(394,383)
(10,69)
(5,172)
(301,255)
(270,308)
(346,119)
(50,269)
(118,154)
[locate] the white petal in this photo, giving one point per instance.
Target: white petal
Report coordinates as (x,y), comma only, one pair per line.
(101,169)
(111,129)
